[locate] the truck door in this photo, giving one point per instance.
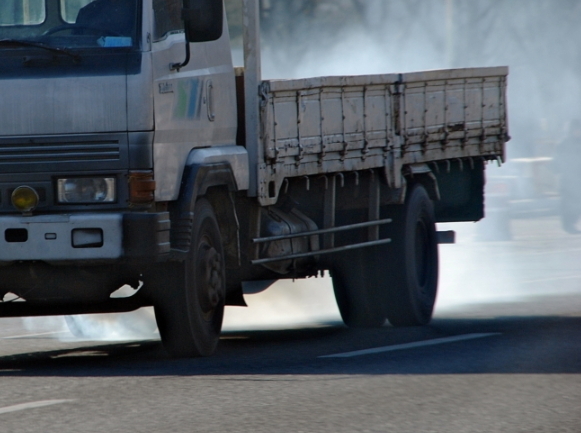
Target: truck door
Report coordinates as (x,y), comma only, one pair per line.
(194,105)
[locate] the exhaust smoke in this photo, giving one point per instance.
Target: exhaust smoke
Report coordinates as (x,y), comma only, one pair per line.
(136,325)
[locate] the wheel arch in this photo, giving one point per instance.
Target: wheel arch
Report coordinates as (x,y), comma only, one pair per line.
(455,186)
(422,174)
(217,182)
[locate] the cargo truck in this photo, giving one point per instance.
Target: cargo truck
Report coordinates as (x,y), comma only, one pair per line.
(133,152)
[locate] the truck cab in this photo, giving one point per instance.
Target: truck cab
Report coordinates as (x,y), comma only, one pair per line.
(102,103)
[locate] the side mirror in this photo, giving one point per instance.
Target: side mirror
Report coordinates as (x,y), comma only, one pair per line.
(203,19)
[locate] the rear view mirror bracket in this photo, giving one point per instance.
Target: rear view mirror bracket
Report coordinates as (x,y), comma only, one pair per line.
(203,22)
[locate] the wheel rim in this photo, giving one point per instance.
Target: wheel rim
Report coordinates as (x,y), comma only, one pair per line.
(209,291)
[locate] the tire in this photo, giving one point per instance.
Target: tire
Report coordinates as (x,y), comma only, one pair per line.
(189,315)
(409,279)
(358,301)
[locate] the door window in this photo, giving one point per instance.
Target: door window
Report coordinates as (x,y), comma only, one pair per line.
(70,9)
(167,17)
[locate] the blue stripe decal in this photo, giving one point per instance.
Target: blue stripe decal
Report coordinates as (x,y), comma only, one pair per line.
(193,102)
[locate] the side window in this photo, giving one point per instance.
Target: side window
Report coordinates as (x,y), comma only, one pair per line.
(167,17)
(70,9)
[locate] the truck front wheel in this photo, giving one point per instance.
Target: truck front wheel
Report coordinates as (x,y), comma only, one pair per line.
(190,311)
(411,281)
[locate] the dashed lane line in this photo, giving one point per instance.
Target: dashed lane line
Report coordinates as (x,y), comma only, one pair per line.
(31,405)
(413,345)
(544,280)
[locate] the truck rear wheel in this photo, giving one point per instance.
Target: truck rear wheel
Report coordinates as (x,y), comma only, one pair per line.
(359,301)
(189,315)
(411,281)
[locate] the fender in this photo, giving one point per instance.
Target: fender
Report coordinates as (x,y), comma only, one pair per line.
(224,167)
(421,173)
(461,185)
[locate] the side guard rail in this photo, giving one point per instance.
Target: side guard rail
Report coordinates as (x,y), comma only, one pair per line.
(322,232)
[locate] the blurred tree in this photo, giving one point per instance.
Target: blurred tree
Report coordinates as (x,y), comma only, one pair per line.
(290,28)
(293,28)
(537,39)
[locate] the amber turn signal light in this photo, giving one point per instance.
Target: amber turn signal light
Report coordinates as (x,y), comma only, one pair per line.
(141,188)
(25,199)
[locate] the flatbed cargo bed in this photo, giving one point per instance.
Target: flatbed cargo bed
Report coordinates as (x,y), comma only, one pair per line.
(324,125)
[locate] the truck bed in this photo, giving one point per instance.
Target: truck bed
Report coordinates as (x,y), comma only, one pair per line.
(323,125)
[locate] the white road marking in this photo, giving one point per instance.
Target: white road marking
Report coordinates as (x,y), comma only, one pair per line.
(551,251)
(410,345)
(542,280)
(33,335)
(31,405)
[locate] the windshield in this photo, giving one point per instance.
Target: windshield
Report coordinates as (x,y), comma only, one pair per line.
(71,23)
(18,12)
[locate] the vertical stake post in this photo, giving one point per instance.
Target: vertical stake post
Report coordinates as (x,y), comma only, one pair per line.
(252,81)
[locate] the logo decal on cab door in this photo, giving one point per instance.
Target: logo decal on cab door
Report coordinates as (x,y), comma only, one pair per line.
(188,99)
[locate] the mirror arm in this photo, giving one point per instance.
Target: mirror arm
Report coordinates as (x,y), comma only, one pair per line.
(178,66)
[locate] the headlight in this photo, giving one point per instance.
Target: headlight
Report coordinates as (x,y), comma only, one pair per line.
(86,190)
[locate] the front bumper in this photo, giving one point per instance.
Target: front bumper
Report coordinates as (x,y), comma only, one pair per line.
(84,237)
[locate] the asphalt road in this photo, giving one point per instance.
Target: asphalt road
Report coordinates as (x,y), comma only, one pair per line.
(499,357)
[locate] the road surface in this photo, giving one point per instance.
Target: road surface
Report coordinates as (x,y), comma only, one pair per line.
(503,354)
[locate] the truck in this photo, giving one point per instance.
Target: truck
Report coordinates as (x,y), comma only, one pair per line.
(133,152)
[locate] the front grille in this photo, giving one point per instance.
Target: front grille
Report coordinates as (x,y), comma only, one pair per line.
(49,154)
(30,153)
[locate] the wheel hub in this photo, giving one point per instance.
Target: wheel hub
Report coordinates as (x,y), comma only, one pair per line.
(211,267)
